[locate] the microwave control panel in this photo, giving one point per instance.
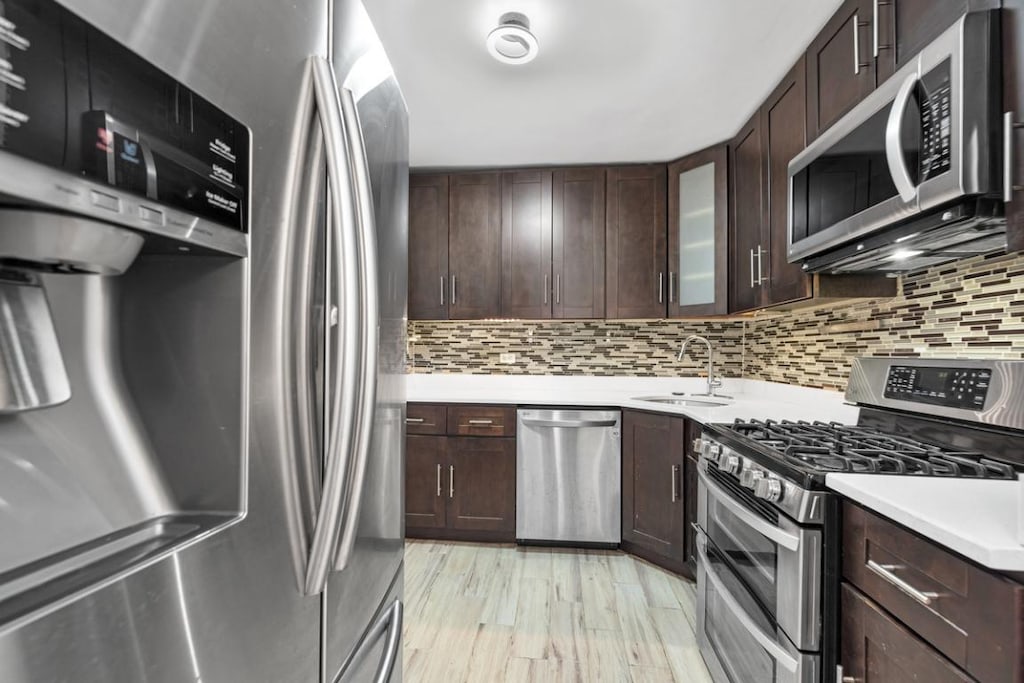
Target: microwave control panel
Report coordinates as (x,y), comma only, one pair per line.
(947,387)
(936,121)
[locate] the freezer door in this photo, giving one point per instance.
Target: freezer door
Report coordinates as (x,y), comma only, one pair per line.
(378,658)
(363,571)
(229,607)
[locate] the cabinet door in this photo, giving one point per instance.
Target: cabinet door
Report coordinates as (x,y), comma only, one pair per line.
(636,244)
(693,430)
(1013,103)
(652,495)
(526,244)
(428,247)
(784,128)
(874,647)
(425,482)
(482,486)
(746,199)
(698,226)
(474,246)
(907,26)
(840,67)
(577,241)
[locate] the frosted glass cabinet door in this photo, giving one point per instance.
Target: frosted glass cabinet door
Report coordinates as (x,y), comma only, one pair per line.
(697,234)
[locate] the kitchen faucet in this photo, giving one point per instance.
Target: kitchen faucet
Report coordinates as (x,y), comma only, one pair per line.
(713,383)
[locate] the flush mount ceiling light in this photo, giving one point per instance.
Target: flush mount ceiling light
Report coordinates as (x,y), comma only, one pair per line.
(512,42)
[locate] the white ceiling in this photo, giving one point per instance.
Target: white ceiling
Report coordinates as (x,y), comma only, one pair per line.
(614,81)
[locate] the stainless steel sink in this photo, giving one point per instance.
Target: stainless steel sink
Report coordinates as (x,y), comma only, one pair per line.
(680,401)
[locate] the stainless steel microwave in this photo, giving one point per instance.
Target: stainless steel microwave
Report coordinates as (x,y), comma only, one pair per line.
(910,176)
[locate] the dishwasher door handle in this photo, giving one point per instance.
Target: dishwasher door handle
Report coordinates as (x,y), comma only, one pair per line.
(571,424)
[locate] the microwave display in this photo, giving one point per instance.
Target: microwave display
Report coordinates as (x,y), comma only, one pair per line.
(936,121)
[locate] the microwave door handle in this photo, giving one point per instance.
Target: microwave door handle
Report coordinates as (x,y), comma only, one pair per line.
(770,645)
(893,147)
(344,380)
(772,533)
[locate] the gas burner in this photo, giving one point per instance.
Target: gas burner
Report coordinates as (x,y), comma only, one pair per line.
(835,447)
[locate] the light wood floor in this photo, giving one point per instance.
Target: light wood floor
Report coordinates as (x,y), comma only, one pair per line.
(485,613)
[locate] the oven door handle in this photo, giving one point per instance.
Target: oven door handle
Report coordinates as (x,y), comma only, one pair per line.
(770,645)
(893,146)
(772,533)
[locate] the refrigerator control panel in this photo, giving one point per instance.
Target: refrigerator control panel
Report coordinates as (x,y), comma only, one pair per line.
(74,99)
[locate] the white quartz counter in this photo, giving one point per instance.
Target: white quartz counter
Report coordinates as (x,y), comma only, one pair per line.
(976,518)
(751,399)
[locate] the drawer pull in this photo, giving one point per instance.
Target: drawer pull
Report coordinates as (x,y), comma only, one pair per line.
(438,480)
(414,420)
(886,571)
(481,422)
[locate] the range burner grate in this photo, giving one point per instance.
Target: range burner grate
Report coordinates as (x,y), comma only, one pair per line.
(835,447)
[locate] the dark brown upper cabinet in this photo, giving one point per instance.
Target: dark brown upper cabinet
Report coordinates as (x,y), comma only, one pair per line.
(637,276)
(578,243)
(526,280)
(747,237)
(784,136)
(428,247)
(474,246)
(698,226)
(840,65)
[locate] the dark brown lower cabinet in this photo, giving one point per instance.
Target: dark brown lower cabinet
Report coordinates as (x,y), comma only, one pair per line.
(460,488)
(877,648)
(692,432)
(653,488)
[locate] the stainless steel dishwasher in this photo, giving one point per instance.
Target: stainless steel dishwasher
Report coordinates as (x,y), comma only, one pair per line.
(569,477)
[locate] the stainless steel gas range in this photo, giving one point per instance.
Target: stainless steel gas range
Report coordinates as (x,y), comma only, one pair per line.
(769,532)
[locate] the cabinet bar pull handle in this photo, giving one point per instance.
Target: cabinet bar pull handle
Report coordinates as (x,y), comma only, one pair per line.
(875,30)
(760,275)
(558,288)
(671,286)
(1009,127)
(886,572)
(545,287)
(840,678)
(857,64)
(661,287)
(438,480)
(442,291)
(481,422)
(451,481)
(675,483)
(453,290)
(414,420)
(753,282)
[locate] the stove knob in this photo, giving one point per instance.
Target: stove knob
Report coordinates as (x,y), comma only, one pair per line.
(750,476)
(768,488)
(711,450)
(698,445)
(729,463)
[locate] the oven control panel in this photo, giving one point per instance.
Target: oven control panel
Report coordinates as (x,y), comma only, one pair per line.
(949,387)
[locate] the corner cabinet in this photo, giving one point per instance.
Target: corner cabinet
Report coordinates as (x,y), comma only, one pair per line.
(654,502)
(698,196)
(636,242)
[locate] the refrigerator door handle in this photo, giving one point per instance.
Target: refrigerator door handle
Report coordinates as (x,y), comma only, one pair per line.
(370,329)
(343,385)
(389,624)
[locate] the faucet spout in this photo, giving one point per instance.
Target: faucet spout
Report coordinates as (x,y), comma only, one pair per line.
(713,383)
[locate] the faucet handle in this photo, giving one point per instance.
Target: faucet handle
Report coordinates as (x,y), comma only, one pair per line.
(716,383)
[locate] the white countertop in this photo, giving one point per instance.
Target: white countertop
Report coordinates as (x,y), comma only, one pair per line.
(752,399)
(976,518)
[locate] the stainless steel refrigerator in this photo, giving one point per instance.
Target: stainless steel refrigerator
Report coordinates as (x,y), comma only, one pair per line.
(203,236)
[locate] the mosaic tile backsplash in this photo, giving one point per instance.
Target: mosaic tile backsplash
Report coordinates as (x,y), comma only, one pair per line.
(971,308)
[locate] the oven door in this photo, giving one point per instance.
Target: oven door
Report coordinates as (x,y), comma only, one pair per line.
(737,640)
(778,561)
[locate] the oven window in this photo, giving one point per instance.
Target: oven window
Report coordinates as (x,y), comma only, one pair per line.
(854,174)
(749,554)
(739,654)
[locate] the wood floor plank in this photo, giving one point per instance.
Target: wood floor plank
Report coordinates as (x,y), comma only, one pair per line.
(533,619)
(657,585)
(643,646)
(598,596)
(490,653)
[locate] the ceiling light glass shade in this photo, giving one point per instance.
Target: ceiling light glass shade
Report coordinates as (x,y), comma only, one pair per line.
(512,42)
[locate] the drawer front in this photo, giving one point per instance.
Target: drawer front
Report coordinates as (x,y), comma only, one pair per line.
(472,420)
(425,418)
(876,648)
(970,615)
